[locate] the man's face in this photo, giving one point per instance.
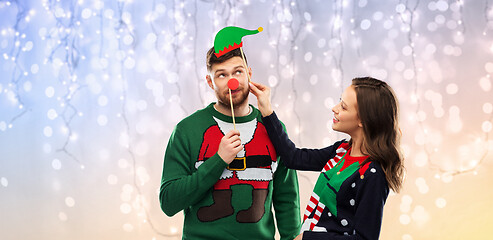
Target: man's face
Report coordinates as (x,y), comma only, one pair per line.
(218,79)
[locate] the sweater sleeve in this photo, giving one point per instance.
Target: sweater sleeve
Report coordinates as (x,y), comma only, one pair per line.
(371,197)
(182,185)
(293,157)
(286,202)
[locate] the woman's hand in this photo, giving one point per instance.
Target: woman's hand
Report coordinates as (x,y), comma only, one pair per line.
(262,93)
(299,237)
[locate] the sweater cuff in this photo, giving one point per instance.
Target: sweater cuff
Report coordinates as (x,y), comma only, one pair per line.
(270,119)
(214,166)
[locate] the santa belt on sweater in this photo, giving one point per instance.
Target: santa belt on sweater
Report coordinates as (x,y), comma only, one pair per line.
(257,161)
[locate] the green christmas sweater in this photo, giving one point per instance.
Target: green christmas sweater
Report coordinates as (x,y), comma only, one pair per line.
(222,201)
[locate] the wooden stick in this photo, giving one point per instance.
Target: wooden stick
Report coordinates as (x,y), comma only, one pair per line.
(245,64)
(232,111)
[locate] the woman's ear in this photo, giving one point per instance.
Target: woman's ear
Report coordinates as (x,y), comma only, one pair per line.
(360,123)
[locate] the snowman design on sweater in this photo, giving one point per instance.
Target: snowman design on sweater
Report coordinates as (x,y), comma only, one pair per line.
(254,166)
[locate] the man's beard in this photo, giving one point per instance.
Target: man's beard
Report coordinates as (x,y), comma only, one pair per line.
(240,98)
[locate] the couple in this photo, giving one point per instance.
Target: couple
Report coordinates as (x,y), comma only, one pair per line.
(227,180)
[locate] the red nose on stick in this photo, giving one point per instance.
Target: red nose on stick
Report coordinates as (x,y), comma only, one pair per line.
(233,83)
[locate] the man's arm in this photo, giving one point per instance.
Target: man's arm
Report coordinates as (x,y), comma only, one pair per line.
(182,185)
(286,202)
(286,199)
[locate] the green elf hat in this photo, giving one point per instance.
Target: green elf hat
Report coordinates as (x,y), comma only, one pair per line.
(229,38)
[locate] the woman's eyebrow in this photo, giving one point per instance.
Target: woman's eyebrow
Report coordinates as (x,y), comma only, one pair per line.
(344,103)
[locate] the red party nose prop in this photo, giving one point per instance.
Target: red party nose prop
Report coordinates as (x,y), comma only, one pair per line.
(233,83)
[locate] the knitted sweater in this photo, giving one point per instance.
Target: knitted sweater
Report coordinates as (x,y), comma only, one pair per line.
(228,202)
(348,198)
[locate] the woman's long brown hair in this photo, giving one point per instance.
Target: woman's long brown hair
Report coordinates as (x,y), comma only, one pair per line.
(378,110)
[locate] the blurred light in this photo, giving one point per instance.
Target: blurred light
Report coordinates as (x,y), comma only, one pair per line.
(69,201)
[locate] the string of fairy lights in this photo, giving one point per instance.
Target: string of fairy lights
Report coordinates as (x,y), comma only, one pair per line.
(126,44)
(201,85)
(488,17)
(288,23)
(407,15)
(336,33)
(64,56)
(23,15)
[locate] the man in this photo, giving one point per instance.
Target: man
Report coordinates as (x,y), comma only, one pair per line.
(227,180)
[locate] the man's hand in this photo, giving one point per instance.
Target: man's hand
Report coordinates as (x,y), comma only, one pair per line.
(262,93)
(229,146)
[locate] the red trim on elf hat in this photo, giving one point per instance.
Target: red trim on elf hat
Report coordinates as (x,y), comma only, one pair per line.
(229,48)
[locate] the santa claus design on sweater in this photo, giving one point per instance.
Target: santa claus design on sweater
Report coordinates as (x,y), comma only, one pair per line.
(254,166)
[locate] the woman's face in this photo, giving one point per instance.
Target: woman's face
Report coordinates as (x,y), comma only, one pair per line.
(346,117)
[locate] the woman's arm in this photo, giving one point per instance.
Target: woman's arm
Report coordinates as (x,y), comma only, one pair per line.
(293,157)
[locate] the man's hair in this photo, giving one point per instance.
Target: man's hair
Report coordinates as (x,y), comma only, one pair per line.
(212,59)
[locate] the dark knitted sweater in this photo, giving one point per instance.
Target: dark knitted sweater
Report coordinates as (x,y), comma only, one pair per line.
(348,198)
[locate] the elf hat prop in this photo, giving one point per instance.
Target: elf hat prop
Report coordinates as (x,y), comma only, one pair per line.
(229,38)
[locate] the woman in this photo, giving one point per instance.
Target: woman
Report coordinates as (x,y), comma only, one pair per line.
(356,175)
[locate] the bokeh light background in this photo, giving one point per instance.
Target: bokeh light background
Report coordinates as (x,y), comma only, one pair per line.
(90,91)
